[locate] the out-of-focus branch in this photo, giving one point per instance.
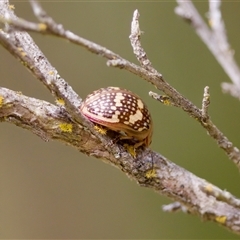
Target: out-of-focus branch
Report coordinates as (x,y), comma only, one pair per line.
(215,39)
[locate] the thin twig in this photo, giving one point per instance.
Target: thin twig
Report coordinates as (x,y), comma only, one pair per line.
(136,44)
(205,103)
(174,207)
(166,100)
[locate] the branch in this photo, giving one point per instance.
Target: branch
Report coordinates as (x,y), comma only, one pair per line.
(215,39)
(152,76)
(46,120)
(149,169)
(194,194)
(176,99)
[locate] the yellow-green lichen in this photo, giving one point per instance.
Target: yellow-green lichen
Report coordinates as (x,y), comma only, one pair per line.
(42,27)
(22,52)
(151,173)
(1,101)
(11,6)
(221,219)
(60,102)
(66,127)
(131,149)
(167,102)
(208,188)
(100,129)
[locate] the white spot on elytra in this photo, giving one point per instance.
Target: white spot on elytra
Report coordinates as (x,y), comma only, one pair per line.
(140,104)
(117,99)
(137,116)
(115,117)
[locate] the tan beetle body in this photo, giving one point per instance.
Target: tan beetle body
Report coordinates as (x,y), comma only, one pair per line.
(122,111)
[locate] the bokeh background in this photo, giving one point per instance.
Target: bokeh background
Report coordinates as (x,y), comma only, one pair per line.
(49,190)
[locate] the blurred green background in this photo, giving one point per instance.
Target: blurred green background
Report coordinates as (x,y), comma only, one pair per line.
(49,190)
